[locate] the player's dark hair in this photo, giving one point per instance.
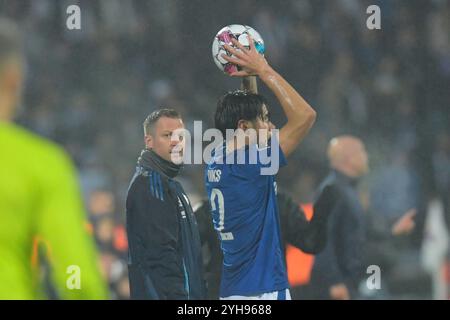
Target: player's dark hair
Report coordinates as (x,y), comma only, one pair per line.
(238,105)
(156,115)
(10,40)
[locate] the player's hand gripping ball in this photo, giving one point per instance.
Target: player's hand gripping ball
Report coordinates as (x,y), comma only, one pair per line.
(224,36)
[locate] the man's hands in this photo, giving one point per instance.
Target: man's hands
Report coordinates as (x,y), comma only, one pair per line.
(251,62)
(405,224)
(339,292)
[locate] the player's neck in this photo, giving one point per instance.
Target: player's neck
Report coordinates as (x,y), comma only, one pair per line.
(235,144)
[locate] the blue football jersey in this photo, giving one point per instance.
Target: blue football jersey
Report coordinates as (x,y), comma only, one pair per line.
(245,214)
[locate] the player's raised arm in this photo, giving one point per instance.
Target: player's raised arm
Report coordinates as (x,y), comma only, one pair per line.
(299,113)
(250,84)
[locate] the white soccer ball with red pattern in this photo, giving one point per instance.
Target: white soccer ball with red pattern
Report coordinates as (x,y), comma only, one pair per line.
(238,32)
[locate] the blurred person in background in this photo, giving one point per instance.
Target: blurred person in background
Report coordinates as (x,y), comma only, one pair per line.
(39,197)
(441,168)
(165,258)
(337,270)
(111,242)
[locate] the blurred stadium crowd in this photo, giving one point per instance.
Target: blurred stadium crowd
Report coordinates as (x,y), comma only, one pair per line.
(91,89)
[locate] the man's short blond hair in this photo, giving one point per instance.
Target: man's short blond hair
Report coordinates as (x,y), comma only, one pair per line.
(156,115)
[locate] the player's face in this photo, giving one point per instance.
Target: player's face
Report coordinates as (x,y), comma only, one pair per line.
(166,139)
(264,123)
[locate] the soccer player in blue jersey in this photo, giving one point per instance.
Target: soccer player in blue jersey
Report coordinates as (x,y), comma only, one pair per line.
(242,196)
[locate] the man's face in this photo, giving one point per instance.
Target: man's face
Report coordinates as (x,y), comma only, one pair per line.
(165,139)
(361,160)
(263,123)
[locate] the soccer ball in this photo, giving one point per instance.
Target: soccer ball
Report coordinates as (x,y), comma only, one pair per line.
(239,32)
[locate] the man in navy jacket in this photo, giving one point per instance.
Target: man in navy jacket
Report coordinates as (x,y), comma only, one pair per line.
(165,260)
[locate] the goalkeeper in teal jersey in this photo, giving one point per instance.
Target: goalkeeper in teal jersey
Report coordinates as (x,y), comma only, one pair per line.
(39,197)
